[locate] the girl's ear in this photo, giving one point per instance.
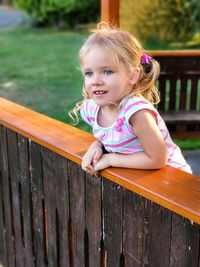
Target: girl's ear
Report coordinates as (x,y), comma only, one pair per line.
(135,74)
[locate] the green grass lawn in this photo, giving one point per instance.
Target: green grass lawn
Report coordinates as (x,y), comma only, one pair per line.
(40,70)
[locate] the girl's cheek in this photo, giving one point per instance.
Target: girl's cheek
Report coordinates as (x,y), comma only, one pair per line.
(87,84)
(87,88)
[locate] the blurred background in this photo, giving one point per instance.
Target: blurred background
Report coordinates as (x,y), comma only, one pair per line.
(40,40)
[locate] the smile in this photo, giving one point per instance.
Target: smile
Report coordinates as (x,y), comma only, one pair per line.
(99,92)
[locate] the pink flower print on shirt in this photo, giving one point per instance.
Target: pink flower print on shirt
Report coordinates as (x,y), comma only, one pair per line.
(118,125)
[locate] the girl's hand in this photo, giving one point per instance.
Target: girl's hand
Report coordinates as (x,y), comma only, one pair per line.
(154,155)
(91,157)
(103,163)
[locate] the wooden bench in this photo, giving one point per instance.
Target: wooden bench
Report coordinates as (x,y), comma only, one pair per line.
(179,82)
(54,214)
(179,86)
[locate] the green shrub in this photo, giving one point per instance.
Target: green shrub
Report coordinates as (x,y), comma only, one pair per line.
(168,21)
(60,12)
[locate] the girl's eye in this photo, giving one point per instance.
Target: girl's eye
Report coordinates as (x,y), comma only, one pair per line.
(89,74)
(108,72)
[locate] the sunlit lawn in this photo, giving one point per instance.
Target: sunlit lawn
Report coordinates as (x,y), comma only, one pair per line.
(39,69)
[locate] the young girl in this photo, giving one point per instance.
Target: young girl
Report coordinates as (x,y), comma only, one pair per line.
(119,90)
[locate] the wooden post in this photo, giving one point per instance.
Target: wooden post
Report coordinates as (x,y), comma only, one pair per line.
(110,11)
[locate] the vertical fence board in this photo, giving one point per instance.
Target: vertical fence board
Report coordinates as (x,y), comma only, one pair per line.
(150,225)
(172,93)
(10,253)
(112,220)
(133,214)
(157,228)
(26,204)
(183,93)
(77,212)
(50,205)
(37,203)
(184,243)
(16,198)
(93,219)
(62,200)
(162,90)
(193,95)
(2,227)
(2,214)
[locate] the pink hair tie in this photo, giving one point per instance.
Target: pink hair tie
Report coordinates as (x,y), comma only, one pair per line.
(145,59)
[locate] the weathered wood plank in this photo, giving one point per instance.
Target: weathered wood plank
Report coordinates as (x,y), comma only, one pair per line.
(93,219)
(62,201)
(146,232)
(194,92)
(10,253)
(16,196)
(136,231)
(184,242)
(47,157)
(172,93)
(26,203)
(133,226)
(64,140)
(77,213)
(183,93)
(112,222)
(157,235)
(37,194)
(162,90)
(2,226)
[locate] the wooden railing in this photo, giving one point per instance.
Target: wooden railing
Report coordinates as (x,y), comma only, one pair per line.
(54,214)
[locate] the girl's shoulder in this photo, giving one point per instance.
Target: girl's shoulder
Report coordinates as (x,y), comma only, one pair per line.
(88,110)
(134,104)
(89,105)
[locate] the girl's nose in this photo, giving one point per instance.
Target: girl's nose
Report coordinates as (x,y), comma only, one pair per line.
(97,80)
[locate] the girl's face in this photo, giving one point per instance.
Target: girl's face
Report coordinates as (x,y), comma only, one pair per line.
(105,81)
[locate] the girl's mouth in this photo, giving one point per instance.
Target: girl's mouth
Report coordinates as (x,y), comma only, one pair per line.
(99,92)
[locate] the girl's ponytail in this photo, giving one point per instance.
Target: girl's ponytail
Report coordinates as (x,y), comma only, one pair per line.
(149,73)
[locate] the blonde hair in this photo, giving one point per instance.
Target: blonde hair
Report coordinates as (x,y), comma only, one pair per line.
(124,48)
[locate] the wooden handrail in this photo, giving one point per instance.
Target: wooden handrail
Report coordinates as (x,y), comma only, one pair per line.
(168,187)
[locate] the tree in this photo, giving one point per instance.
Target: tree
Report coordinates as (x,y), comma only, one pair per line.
(60,12)
(172,20)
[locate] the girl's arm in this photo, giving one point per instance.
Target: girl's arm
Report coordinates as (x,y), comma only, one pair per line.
(92,156)
(154,155)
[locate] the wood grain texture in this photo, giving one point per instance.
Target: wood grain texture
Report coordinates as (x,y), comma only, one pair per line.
(77,213)
(6,189)
(168,187)
(62,202)
(110,12)
(112,222)
(37,204)
(93,219)
(25,200)
(3,260)
(53,214)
